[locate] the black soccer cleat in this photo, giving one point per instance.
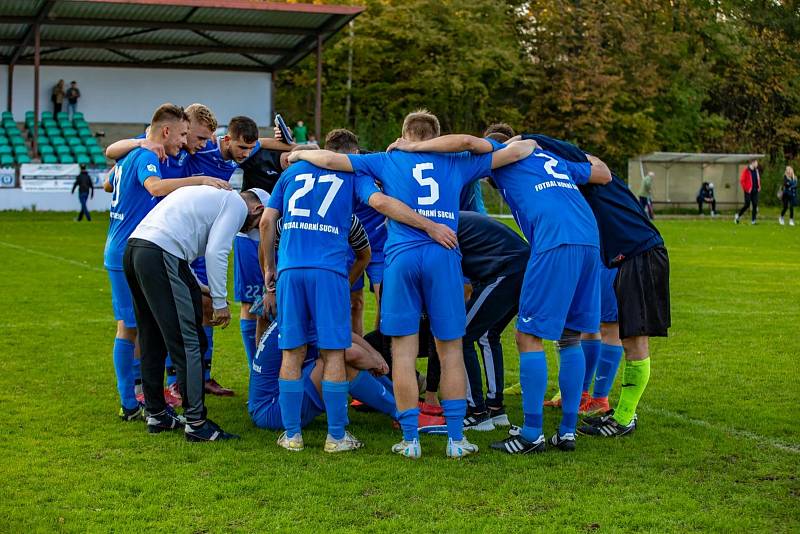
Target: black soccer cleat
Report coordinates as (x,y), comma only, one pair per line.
(564,443)
(479,421)
(598,419)
(606,426)
(131,414)
(164,422)
(520,445)
(207,431)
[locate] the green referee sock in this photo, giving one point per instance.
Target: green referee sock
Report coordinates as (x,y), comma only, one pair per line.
(634,380)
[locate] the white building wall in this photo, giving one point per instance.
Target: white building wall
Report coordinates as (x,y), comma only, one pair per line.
(130,95)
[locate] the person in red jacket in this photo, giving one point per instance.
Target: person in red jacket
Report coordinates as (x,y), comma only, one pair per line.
(750,181)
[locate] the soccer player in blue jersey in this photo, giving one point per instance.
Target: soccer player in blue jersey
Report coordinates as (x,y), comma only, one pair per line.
(560,293)
(312,285)
(137,182)
(361,363)
(420,275)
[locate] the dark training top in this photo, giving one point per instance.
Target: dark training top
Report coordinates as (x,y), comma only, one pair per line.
(489,248)
(625,230)
(262,169)
(84,184)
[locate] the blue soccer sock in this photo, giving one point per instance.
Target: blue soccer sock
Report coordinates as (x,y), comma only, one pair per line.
(172,373)
(610,356)
(591,351)
(409,422)
(533,379)
(209,353)
(123,367)
(570,378)
(373,393)
(290,399)
(248,329)
(334,395)
(454,412)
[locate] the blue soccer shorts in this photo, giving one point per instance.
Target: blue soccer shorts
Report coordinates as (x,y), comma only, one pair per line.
(268,414)
(248,279)
(313,305)
(199,268)
(608,299)
(121,299)
(425,278)
(374,272)
(561,290)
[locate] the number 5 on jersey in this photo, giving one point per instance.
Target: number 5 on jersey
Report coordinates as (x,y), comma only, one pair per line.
(426,182)
(308,184)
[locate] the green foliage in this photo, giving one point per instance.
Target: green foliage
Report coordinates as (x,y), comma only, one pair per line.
(620,77)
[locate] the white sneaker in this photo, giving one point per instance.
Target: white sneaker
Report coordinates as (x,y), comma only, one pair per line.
(409,449)
(736,218)
(791,222)
(459,449)
(347,443)
(780,220)
(753,221)
(295,443)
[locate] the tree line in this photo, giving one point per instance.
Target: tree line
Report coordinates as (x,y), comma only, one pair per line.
(619,77)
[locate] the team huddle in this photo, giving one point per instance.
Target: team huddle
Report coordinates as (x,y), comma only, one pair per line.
(592,274)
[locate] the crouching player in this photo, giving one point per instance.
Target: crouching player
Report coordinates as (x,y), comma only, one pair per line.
(361,362)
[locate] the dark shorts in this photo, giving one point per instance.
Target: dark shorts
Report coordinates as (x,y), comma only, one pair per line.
(642,288)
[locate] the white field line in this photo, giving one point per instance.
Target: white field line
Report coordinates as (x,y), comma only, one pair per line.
(52,256)
(744,434)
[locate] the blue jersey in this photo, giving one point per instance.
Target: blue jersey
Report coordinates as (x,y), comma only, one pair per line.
(317,209)
(173,166)
(542,192)
(130,201)
(375,225)
(428,183)
(208,161)
(266,368)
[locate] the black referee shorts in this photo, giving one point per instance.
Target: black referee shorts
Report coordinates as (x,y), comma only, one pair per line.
(642,289)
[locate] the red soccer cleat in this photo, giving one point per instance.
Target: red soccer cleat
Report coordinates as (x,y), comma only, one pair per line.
(430,409)
(172,395)
(212,387)
(595,406)
(426,420)
(555,402)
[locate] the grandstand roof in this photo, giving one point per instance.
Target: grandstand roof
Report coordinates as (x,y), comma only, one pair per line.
(242,35)
(692,157)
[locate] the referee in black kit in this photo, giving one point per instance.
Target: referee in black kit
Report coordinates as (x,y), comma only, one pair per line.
(168,300)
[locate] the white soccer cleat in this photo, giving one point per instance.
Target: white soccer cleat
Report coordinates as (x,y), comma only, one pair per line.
(409,449)
(780,220)
(791,222)
(459,449)
(295,443)
(347,443)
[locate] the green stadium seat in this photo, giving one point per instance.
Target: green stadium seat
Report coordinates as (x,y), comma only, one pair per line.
(46,149)
(84,133)
(20,149)
(43,140)
(30,114)
(17,140)
(57,140)
(77,115)
(74,141)
(7,115)
(29,123)
(11,127)
(23,158)
(6,160)
(69,132)
(4,140)
(49,123)
(52,132)
(83,159)
(49,158)
(79,149)
(5,150)
(80,123)
(62,115)
(66,158)
(90,141)
(62,149)
(65,126)
(98,160)
(47,115)
(96,150)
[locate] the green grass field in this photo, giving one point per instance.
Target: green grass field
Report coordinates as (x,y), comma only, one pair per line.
(717,446)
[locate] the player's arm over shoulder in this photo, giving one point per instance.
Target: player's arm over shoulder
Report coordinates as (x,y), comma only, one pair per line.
(444,143)
(600,174)
(513,152)
(323,158)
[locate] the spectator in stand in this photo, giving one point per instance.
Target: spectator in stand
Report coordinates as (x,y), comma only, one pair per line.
(85,188)
(58,97)
(312,140)
(788,195)
(300,132)
(750,181)
(706,194)
(73,94)
(646,194)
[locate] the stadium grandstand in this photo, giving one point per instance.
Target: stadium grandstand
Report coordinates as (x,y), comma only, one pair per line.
(128,56)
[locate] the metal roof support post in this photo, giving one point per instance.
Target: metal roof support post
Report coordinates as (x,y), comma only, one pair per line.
(36,58)
(10,87)
(318,101)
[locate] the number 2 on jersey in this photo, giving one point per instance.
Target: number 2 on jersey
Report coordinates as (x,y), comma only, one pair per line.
(549,167)
(308,185)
